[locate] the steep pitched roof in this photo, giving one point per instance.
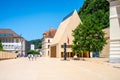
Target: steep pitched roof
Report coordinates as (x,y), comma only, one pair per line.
(50,33)
(70,14)
(65,28)
(8,33)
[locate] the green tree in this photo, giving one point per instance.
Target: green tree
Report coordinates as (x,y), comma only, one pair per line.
(33,52)
(89,36)
(37,43)
(92,7)
(1,47)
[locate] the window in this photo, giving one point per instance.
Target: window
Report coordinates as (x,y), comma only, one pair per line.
(9,35)
(12,40)
(12,46)
(2,34)
(7,40)
(5,47)
(8,46)
(48,41)
(62,46)
(48,53)
(48,46)
(2,40)
(17,41)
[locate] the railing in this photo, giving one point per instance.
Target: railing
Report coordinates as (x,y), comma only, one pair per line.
(7,55)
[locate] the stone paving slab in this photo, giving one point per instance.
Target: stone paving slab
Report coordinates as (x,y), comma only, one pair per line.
(56,69)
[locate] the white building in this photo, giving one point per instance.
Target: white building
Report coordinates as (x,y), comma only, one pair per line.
(12,42)
(46,42)
(32,47)
(114,31)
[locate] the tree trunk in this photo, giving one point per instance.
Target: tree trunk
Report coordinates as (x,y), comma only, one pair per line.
(89,54)
(83,56)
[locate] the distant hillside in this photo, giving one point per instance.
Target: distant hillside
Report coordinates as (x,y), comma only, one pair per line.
(97,8)
(37,43)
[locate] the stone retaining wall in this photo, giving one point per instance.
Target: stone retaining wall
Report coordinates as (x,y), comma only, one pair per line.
(7,55)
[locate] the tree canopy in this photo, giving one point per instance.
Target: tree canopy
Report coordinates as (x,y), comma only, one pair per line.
(37,43)
(98,8)
(89,36)
(33,52)
(1,47)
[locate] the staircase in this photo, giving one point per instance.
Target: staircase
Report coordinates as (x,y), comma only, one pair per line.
(115,51)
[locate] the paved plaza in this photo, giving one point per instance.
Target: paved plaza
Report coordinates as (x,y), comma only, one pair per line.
(57,69)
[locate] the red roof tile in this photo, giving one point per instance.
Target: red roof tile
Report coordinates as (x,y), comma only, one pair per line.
(50,33)
(8,31)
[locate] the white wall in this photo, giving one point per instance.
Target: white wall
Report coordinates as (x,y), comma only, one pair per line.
(114,32)
(45,46)
(11,46)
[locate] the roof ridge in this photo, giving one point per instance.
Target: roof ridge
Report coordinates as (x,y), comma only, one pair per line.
(9,31)
(67,16)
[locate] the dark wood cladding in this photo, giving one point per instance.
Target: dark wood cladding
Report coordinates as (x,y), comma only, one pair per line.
(53,51)
(68,46)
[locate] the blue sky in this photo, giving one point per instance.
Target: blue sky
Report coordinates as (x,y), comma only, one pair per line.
(31,18)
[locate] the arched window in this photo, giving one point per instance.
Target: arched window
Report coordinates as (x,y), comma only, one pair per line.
(48,41)
(48,46)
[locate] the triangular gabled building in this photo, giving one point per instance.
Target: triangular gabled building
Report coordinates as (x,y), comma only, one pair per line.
(64,35)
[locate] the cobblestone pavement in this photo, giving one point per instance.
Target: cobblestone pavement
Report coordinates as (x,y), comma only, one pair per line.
(57,69)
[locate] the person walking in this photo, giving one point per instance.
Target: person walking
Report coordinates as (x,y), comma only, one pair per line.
(29,56)
(35,56)
(32,57)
